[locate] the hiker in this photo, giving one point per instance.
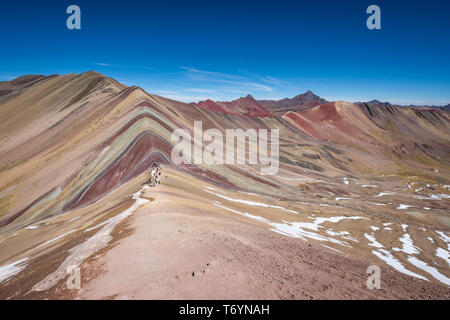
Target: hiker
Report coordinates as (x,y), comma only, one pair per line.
(155,173)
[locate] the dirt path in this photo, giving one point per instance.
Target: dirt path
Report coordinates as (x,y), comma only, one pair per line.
(183,253)
(179,243)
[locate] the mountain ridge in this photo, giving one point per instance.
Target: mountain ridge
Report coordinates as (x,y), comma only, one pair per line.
(299,102)
(90,100)
(75,153)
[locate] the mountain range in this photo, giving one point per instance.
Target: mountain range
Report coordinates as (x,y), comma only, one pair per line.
(263,108)
(358,184)
(249,106)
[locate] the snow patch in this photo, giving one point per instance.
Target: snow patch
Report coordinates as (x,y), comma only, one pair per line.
(408,245)
(11,269)
(387,257)
(429,269)
(251,203)
(444,254)
(301,230)
(373,241)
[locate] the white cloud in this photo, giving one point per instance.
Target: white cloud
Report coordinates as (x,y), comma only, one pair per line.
(200,90)
(7,77)
(242,83)
(272,80)
(163,91)
(249,85)
(103,64)
(235,91)
(212,73)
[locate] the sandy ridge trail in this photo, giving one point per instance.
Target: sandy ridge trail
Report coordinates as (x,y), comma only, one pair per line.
(181,250)
(170,243)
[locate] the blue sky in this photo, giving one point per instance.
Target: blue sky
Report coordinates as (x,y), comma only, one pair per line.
(193,50)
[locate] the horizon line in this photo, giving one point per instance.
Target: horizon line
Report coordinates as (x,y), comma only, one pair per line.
(400,102)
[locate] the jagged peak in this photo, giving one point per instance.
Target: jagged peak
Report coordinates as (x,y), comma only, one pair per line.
(308,94)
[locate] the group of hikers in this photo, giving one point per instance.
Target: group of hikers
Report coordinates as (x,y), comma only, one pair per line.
(155,174)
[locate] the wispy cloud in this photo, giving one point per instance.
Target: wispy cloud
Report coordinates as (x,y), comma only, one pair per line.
(200,90)
(241,82)
(163,92)
(212,73)
(404,102)
(235,91)
(191,84)
(102,64)
(7,76)
(250,85)
(266,79)
(348,99)
(407,102)
(272,80)
(110,65)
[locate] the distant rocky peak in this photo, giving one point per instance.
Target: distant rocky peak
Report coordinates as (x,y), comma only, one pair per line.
(377,102)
